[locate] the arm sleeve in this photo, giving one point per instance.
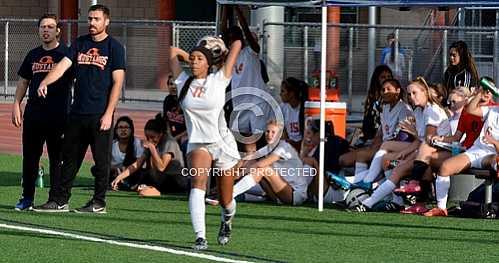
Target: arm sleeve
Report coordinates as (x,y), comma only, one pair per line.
(25,70)
(118,60)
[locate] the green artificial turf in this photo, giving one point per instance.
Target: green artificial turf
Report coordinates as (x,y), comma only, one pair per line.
(262,232)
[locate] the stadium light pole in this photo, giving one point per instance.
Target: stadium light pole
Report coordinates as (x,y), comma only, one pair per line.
(323,106)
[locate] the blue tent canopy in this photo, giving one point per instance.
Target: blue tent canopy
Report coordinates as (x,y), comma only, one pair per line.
(392,3)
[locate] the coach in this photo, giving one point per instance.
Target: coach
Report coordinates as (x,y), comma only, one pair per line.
(99,62)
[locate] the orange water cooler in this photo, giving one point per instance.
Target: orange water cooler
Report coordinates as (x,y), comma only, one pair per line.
(335,112)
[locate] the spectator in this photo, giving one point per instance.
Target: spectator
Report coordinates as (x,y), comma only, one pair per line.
(281,169)
(462,70)
(163,160)
(125,150)
(372,104)
(388,57)
(293,109)
(481,155)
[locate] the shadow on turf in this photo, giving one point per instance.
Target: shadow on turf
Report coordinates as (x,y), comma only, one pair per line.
(14,179)
(163,243)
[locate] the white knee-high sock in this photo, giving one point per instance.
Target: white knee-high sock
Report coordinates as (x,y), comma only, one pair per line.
(244,185)
(442,185)
(197,208)
(229,211)
(360,167)
(397,199)
(359,177)
(383,190)
(376,166)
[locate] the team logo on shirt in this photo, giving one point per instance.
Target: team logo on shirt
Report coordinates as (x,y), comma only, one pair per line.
(44,65)
(197,91)
(92,57)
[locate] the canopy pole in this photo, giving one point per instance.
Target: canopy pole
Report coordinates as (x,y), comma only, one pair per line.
(323,106)
(371,45)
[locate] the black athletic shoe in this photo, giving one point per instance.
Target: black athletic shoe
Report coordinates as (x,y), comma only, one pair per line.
(224,233)
(200,244)
(51,207)
(360,208)
(91,207)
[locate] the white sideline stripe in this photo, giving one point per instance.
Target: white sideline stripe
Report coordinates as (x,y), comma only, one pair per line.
(120,243)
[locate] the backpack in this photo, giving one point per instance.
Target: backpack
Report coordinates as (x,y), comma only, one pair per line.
(472,209)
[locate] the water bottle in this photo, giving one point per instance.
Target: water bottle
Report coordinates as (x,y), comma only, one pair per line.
(488,85)
(39,179)
(456,148)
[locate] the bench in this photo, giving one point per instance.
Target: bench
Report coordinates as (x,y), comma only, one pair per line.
(490,177)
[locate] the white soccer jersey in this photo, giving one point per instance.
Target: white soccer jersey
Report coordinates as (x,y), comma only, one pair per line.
(203,107)
(292,121)
(491,117)
(290,167)
(432,115)
(247,73)
(391,118)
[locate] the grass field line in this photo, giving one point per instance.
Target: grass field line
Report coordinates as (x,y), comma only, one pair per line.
(121,243)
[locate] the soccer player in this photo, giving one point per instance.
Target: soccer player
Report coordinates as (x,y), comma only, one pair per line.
(202,98)
(99,62)
(44,118)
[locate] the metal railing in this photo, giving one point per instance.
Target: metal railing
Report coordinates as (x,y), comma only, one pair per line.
(147,42)
(351,64)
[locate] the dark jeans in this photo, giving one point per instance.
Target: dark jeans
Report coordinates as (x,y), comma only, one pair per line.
(80,132)
(169,181)
(35,134)
(478,195)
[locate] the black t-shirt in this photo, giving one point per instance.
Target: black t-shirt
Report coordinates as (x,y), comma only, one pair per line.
(35,67)
(94,64)
(174,114)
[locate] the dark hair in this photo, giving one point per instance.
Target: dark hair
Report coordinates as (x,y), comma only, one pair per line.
(300,89)
(234,31)
(130,156)
(316,124)
(51,16)
(99,7)
(466,60)
(396,84)
(374,92)
(158,124)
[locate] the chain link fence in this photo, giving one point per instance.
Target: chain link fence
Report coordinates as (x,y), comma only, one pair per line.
(146,44)
(423,51)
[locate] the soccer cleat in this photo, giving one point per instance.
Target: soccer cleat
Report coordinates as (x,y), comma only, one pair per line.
(418,208)
(436,212)
(410,188)
(386,206)
(224,233)
(51,207)
(360,208)
(339,180)
(91,207)
(24,204)
(200,244)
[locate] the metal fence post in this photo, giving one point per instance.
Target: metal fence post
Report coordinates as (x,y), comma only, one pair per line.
(6,60)
(124,42)
(68,34)
(397,55)
(264,42)
(496,45)
(305,53)
(444,51)
(350,66)
(174,33)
